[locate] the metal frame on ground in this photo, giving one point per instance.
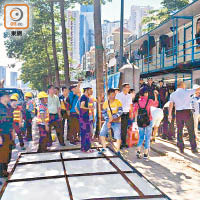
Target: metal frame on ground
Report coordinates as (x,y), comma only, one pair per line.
(67,176)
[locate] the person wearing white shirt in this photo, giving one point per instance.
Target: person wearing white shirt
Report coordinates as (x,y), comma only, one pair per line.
(126,100)
(181,98)
(196,108)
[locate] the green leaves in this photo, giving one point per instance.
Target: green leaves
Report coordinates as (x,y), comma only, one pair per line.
(157,17)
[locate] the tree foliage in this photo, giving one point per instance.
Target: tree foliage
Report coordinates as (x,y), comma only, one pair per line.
(157,17)
(34,49)
(174,5)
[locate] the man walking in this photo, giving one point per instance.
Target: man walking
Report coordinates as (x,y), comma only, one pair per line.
(112,111)
(126,99)
(55,116)
(181,98)
(6,133)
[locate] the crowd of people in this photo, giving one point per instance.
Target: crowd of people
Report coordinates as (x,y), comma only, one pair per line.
(145,109)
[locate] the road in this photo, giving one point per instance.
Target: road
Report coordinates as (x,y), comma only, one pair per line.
(175,174)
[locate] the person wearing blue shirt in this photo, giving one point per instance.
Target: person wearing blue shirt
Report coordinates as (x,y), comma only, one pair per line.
(74,128)
(6,133)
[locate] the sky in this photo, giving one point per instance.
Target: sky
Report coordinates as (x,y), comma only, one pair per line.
(111,11)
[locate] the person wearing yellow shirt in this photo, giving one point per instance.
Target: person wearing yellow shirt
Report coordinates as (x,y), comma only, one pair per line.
(112,111)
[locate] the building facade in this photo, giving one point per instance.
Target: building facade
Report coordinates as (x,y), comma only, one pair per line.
(135,20)
(73,27)
(171,51)
(86,29)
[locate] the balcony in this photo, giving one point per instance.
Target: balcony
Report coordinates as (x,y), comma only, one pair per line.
(180,57)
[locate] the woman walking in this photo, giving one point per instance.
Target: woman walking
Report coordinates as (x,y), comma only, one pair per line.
(143,118)
(85,125)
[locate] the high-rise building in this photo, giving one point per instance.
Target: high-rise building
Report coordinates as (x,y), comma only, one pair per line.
(86,29)
(73,26)
(2,73)
(135,20)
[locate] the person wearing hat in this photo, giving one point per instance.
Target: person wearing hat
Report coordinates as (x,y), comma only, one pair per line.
(6,133)
(74,128)
(17,120)
(84,119)
(150,87)
(55,116)
(29,112)
(43,121)
(163,94)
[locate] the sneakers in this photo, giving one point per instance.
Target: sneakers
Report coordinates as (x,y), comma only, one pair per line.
(138,154)
(195,151)
(62,144)
(119,154)
(23,148)
(146,156)
(101,151)
(72,143)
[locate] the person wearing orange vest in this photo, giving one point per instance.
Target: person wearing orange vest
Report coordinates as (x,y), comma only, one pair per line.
(30,111)
(43,121)
(17,120)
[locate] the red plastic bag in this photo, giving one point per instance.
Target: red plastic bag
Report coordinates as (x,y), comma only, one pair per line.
(133,135)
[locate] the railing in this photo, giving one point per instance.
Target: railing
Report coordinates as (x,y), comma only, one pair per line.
(187,51)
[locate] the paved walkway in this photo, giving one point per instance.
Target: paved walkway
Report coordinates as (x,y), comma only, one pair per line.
(175,174)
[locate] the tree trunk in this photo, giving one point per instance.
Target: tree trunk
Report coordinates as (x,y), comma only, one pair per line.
(50,78)
(64,44)
(54,46)
(98,57)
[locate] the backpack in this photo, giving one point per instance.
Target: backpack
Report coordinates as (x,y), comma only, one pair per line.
(143,117)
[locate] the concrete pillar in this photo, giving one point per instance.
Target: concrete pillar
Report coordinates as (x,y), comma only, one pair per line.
(131,75)
(195,76)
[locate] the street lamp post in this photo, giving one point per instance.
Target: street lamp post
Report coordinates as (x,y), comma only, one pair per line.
(121,35)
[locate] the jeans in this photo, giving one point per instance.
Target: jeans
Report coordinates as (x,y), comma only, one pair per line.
(145,133)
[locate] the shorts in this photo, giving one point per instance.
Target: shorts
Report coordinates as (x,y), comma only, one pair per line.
(116,127)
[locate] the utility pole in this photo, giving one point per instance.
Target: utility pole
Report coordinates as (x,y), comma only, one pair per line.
(121,35)
(98,59)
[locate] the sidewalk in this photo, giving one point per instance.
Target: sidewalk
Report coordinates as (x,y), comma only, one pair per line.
(175,174)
